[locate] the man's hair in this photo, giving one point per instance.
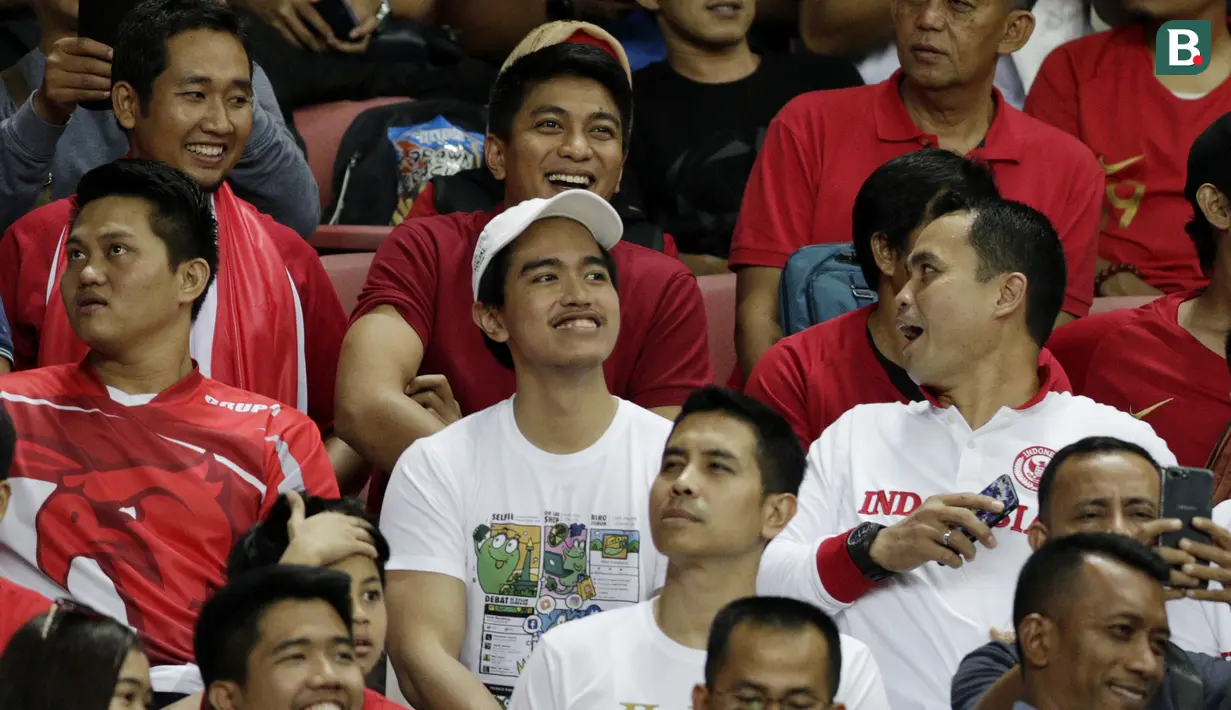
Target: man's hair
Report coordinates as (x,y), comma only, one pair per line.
(8,442)
(141,42)
(181,213)
(779,456)
(895,198)
(1084,447)
(492,291)
(1052,578)
(228,628)
(567,60)
(1010,237)
(776,613)
(265,543)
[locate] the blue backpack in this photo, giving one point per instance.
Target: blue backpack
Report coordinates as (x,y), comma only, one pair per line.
(820,282)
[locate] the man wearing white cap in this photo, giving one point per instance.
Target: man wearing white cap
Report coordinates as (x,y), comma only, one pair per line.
(534,511)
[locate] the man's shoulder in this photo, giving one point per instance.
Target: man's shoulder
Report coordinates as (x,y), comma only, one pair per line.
(836,338)
(1038,139)
(643,265)
(1089,332)
(1091,50)
(847,105)
(52,381)
(240,406)
(45,224)
(447,238)
(643,420)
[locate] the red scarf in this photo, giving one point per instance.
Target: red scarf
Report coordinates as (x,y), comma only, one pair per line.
(257,343)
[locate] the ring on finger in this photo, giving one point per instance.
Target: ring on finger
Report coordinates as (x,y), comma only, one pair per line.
(945,540)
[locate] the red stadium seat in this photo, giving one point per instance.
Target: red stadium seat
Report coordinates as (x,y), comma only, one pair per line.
(322,128)
(719,294)
(333,238)
(1111,303)
(347,272)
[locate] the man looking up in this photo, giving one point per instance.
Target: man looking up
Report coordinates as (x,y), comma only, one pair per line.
(271,323)
(134,471)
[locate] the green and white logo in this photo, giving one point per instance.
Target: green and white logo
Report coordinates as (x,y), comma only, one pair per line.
(1182,47)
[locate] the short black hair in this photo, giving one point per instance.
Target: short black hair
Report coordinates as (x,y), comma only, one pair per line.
(228,627)
(492,292)
(1010,237)
(141,41)
(181,213)
(76,666)
(1052,577)
(776,613)
(779,455)
(568,59)
(265,543)
(8,442)
(1084,447)
(895,198)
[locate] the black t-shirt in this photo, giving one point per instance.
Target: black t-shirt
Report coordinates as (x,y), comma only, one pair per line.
(694,144)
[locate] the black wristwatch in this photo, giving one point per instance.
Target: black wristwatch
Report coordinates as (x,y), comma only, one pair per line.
(561,10)
(859,547)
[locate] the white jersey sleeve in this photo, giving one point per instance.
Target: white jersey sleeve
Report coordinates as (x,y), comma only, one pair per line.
(788,567)
(536,689)
(422,516)
(861,686)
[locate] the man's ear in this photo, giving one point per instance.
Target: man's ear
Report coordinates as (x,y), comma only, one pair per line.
(1214,206)
(779,509)
(700,697)
(1012,295)
(224,695)
(1037,637)
(1017,32)
(886,260)
(125,104)
(493,153)
(6,492)
(1038,535)
(194,279)
(649,5)
(490,322)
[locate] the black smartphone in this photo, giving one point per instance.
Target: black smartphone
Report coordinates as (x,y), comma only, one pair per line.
(339,15)
(100,20)
(1003,490)
(1187,493)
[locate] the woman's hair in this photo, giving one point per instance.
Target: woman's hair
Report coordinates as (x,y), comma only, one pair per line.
(69,657)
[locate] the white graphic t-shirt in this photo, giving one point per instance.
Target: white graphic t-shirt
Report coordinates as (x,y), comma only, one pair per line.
(640,667)
(539,539)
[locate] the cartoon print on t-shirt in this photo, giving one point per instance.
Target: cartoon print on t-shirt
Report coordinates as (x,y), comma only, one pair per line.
(506,559)
(564,559)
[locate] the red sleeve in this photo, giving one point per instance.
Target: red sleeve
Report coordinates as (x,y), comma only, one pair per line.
(10,272)
(779,380)
(1074,345)
(296,459)
(675,359)
(775,218)
(669,247)
(841,578)
(1054,97)
(404,274)
(19,606)
(1078,227)
(324,326)
(26,253)
(424,205)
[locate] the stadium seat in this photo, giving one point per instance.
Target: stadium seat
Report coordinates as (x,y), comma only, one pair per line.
(322,128)
(719,294)
(1111,303)
(347,272)
(348,238)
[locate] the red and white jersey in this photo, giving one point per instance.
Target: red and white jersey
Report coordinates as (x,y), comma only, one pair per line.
(877,463)
(131,503)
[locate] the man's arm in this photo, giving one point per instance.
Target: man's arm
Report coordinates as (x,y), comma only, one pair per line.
(272,173)
(988,678)
(757,324)
(675,356)
(295,459)
(425,640)
(845,27)
(6,343)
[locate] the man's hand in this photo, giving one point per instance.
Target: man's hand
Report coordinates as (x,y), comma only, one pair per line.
(921,537)
(324,538)
(1148,535)
(1217,555)
(432,392)
(302,26)
(1126,283)
(1009,637)
(78,70)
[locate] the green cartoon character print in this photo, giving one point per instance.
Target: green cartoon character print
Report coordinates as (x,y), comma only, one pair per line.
(496,559)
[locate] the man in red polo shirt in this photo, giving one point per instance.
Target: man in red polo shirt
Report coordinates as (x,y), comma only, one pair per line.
(17,604)
(560,117)
(1103,89)
(823,145)
(1165,362)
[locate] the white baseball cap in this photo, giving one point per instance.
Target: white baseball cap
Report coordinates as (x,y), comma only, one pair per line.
(593,212)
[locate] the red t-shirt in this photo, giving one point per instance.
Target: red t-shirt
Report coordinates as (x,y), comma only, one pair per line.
(823,145)
(1142,362)
(28,253)
(132,508)
(17,606)
(818,374)
(423,270)
(373,700)
(1102,89)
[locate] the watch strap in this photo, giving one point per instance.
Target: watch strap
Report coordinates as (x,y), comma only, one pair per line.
(859,547)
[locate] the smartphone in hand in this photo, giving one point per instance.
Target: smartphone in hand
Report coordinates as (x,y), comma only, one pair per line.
(100,20)
(1187,493)
(340,17)
(1003,490)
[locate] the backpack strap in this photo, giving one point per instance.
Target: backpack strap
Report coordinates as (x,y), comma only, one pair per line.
(1187,690)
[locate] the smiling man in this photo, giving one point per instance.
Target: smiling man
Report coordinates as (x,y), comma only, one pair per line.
(271,322)
(560,116)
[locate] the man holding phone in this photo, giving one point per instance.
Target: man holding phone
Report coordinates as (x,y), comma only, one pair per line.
(48,140)
(882,539)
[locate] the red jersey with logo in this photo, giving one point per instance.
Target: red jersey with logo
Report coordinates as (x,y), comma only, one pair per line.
(1102,89)
(17,606)
(423,271)
(298,297)
(823,145)
(131,504)
(1142,362)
